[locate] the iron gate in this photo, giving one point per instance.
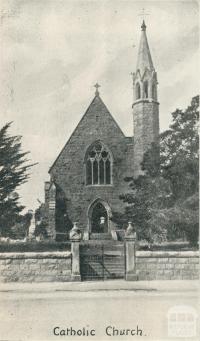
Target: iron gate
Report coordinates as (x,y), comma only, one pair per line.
(102,261)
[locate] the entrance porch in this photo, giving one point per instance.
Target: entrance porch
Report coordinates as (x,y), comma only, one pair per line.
(100,226)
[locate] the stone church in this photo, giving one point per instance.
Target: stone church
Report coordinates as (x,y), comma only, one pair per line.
(87,177)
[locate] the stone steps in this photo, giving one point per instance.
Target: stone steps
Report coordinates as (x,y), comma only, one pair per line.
(109,244)
(100,236)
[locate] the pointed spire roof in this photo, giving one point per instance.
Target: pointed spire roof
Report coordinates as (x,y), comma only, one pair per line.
(144,56)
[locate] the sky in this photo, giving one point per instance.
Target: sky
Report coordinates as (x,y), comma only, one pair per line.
(54,51)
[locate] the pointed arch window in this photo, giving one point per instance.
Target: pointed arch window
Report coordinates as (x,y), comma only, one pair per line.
(138,91)
(146,95)
(98,165)
(154,91)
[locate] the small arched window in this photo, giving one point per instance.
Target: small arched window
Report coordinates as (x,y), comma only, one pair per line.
(154,91)
(138,91)
(146,89)
(98,165)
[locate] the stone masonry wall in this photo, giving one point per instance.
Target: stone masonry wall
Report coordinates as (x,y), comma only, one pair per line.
(146,129)
(68,171)
(167,265)
(35,267)
(57,266)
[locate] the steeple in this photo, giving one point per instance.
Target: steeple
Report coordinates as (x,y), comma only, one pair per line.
(144,60)
(145,77)
(145,104)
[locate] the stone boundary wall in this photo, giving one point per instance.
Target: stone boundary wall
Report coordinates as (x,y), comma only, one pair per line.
(161,265)
(35,267)
(57,266)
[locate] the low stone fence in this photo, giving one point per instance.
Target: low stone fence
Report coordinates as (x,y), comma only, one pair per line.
(159,265)
(65,266)
(35,267)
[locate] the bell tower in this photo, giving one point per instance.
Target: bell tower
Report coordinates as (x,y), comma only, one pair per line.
(145,103)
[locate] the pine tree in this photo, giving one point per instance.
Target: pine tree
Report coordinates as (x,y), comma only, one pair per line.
(14,171)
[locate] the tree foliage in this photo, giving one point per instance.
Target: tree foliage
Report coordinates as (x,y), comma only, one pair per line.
(20,228)
(41,220)
(163,201)
(179,151)
(180,162)
(14,171)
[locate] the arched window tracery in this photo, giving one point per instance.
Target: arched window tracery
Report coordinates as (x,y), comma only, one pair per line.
(138,91)
(146,94)
(153,91)
(98,165)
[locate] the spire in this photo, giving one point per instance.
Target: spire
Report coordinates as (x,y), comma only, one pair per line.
(144,56)
(143,27)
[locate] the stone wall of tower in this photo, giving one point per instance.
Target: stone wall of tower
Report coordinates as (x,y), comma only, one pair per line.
(145,106)
(146,129)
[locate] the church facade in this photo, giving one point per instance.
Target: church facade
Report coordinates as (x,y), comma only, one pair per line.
(87,177)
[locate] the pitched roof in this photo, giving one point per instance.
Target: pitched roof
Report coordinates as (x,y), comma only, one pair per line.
(96,106)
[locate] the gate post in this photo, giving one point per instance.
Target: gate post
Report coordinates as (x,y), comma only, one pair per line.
(130,254)
(51,231)
(75,237)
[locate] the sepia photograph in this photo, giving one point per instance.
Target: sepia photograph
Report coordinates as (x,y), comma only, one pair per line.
(99,170)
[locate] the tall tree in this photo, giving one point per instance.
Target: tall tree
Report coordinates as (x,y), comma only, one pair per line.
(14,171)
(180,165)
(164,199)
(179,151)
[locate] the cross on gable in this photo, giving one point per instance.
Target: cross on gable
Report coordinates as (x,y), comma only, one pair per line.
(97,86)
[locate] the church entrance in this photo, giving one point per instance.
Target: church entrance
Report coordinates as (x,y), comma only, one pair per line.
(99,213)
(99,219)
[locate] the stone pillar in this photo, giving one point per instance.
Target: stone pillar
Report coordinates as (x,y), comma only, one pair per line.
(130,254)
(75,237)
(52,212)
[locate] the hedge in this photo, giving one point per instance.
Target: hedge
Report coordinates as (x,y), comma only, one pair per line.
(35,246)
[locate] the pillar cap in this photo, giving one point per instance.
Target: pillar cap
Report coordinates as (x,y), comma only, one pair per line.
(130,233)
(75,233)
